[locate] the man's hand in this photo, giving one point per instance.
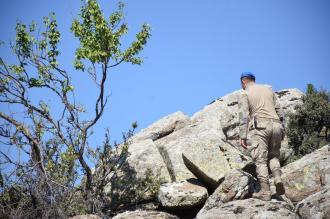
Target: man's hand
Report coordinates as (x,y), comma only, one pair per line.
(243,143)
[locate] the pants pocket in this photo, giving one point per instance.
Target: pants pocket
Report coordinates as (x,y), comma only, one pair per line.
(253,150)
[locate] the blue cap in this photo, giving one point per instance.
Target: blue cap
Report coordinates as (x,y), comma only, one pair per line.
(248,75)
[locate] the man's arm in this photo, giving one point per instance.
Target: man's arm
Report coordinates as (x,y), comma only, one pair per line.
(243,114)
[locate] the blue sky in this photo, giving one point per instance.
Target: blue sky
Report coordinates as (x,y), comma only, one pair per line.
(196,54)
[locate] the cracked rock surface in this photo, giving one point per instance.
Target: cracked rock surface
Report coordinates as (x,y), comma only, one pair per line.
(307,175)
(316,206)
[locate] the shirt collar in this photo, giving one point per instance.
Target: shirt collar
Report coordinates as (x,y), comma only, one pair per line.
(250,84)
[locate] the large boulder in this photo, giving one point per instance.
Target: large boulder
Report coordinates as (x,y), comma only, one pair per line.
(210,160)
(140,214)
(205,128)
(191,140)
(173,145)
(316,206)
(162,127)
(206,162)
(139,174)
(187,194)
(236,185)
(307,175)
(249,208)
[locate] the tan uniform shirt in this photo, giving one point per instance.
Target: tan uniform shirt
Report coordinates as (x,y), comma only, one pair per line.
(257,101)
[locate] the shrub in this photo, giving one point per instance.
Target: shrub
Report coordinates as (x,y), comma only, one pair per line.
(308,127)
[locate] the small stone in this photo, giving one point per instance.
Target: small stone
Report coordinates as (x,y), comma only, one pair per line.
(236,185)
(138,214)
(186,194)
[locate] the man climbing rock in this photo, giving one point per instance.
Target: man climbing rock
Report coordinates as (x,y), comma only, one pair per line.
(261,132)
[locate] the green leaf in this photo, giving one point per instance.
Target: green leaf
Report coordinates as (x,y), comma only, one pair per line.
(33,82)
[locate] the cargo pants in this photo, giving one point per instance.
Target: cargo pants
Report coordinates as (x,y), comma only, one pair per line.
(265,136)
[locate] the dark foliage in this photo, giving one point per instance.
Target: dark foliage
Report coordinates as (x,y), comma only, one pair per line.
(309,126)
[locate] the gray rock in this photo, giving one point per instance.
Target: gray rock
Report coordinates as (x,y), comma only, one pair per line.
(143,164)
(221,114)
(307,175)
(163,127)
(86,216)
(316,206)
(236,185)
(289,98)
(145,155)
(145,215)
(172,146)
(206,161)
(235,158)
(201,134)
(211,160)
(182,195)
(286,151)
(249,208)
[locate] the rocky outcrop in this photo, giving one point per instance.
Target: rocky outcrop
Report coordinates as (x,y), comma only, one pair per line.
(187,194)
(236,185)
(249,208)
(316,206)
(145,215)
(307,175)
(176,150)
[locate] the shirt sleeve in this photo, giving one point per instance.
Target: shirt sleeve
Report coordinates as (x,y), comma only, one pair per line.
(243,114)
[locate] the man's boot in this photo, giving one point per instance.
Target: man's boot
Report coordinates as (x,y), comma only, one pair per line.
(278,182)
(264,193)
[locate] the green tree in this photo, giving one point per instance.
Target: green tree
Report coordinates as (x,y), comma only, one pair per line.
(308,127)
(57,145)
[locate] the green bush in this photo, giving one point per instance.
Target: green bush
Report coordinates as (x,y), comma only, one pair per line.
(308,127)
